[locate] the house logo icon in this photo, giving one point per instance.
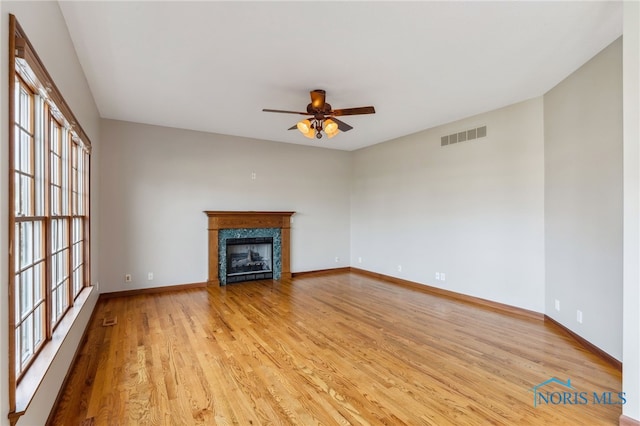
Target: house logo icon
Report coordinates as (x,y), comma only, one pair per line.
(535,391)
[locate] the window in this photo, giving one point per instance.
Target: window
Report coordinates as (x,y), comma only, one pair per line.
(48,208)
(29,238)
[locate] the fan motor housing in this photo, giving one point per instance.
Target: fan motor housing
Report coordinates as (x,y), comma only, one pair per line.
(325,110)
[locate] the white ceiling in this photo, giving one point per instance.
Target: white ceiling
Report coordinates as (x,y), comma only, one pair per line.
(213,66)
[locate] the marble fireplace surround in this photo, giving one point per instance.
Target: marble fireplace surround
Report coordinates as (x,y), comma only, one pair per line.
(247,220)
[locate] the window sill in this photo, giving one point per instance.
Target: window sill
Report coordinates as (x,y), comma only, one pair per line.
(33,378)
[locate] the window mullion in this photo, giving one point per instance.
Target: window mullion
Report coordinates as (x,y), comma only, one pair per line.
(54,212)
(66,191)
(47,206)
(84,202)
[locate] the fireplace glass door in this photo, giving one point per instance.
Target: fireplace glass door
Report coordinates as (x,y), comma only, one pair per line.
(249,259)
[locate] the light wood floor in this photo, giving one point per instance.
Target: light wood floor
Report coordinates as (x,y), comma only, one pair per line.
(334,350)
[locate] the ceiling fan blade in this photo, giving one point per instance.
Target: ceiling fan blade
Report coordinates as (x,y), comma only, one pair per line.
(318,99)
(285,112)
(342,126)
(354,111)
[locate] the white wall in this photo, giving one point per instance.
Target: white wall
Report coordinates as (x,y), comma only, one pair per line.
(473,210)
(157,181)
(583,200)
(45,27)
(631,288)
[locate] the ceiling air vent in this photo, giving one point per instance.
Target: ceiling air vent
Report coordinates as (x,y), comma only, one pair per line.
(467,135)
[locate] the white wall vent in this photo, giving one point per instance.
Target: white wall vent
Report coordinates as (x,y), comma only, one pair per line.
(471,134)
(467,135)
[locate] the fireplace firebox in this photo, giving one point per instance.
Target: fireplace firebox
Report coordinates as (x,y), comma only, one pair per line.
(249,259)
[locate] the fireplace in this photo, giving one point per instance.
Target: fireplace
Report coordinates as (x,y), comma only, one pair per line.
(249,259)
(232,225)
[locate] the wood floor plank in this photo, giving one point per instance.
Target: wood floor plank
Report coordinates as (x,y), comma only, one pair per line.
(338,349)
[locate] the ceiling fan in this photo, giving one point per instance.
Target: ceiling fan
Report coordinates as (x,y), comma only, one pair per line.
(323,118)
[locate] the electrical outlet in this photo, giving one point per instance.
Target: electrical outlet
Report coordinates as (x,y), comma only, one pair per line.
(150,276)
(359,260)
(399,268)
(579,316)
(337,259)
(442,276)
(438,276)
(127,278)
(253,175)
(557,305)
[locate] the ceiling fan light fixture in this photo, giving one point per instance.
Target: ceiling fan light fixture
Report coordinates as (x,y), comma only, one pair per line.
(330,135)
(304,126)
(330,126)
(311,133)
